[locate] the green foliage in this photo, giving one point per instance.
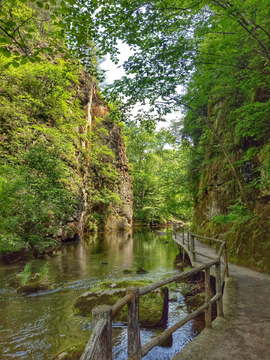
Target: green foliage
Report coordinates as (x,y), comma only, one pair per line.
(26,273)
(238,213)
(35,199)
(170,233)
(43,134)
(28,33)
(43,272)
(31,31)
(160,184)
(38,187)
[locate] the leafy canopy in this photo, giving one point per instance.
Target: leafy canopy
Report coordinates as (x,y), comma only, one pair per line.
(160,183)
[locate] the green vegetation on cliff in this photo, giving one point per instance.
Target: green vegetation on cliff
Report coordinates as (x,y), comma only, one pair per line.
(55,163)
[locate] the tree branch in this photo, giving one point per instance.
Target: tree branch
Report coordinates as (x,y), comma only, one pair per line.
(241,23)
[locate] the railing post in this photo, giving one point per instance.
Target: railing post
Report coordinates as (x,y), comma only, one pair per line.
(183,235)
(183,260)
(193,258)
(188,238)
(226,260)
(219,289)
(208,316)
(103,348)
(134,341)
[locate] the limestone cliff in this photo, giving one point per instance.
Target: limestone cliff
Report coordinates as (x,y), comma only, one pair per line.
(64,169)
(219,209)
(97,215)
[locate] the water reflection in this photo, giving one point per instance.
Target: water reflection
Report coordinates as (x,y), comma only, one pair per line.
(40,325)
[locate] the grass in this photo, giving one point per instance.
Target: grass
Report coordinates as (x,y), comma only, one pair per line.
(44,271)
(26,273)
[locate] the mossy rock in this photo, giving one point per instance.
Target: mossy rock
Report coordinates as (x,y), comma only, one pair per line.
(34,284)
(152,305)
(127,271)
(141,271)
(73,352)
(186,293)
(196,301)
(173,298)
(15,281)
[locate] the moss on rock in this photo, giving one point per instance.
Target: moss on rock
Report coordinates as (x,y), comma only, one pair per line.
(127,271)
(186,293)
(196,301)
(33,284)
(73,352)
(15,281)
(141,271)
(152,305)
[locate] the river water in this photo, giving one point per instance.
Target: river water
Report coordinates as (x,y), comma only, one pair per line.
(38,326)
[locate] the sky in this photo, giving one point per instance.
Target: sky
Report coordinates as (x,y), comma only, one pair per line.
(115,72)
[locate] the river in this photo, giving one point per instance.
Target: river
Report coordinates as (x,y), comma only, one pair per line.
(38,326)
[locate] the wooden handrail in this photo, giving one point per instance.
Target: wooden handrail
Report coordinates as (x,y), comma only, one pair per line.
(99,346)
(190,238)
(148,288)
(156,340)
(207,238)
(92,345)
(221,248)
(120,304)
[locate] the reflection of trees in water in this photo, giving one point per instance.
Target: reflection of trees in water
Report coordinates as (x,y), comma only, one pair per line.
(74,259)
(154,253)
(119,249)
(87,254)
(120,245)
(43,318)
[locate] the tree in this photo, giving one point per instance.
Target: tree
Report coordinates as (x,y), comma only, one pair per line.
(36,201)
(177,43)
(160,183)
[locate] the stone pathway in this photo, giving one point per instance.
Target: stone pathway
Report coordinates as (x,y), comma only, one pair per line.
(244,332)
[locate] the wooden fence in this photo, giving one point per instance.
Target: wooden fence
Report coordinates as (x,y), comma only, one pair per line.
(99,346)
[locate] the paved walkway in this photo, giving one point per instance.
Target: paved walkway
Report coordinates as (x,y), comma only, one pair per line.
(244,332)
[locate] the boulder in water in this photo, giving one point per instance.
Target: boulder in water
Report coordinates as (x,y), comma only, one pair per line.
(33,284)
(141,271)
(127,271)
(196,301)
(153,306)
(73,352)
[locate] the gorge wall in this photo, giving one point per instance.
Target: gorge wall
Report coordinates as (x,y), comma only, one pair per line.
(57,136)
(102,215)
(220,210)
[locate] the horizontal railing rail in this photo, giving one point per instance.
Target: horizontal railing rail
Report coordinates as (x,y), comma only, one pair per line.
(99,346)
(188,237)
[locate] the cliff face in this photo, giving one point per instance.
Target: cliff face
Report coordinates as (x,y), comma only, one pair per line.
(107,135)
(219,209)
(63,163)
(120,216)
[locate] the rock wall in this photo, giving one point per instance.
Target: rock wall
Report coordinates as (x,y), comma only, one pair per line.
(112,216)
(120,216)
(218,192)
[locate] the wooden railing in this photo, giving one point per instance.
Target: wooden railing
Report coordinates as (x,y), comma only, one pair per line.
(99,346)
(188,238)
